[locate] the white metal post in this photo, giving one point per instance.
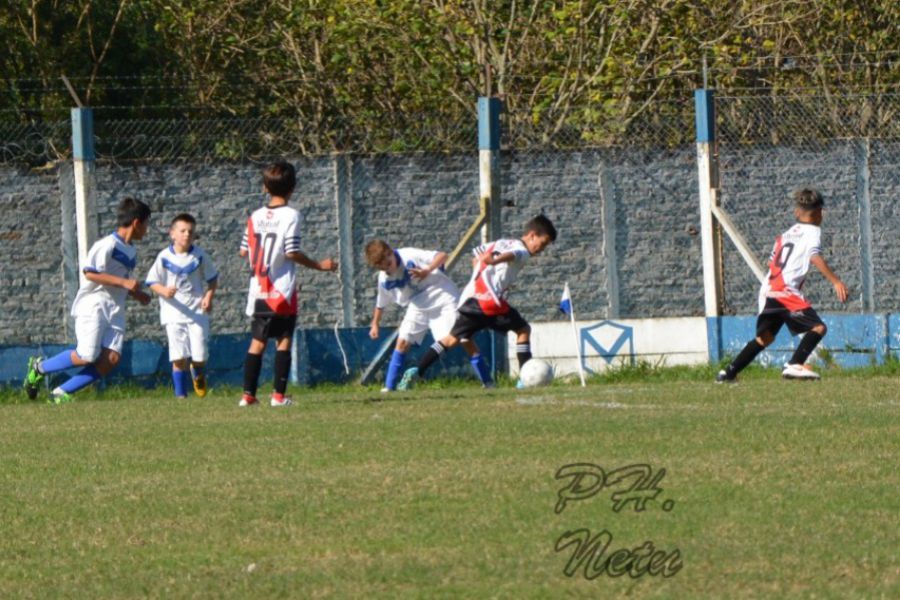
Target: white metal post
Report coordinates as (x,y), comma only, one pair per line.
(706,172)
(86,226)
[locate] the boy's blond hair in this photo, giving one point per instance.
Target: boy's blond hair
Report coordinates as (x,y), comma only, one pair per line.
(377,251)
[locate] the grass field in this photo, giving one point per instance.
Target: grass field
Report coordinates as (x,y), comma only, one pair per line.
(775,490)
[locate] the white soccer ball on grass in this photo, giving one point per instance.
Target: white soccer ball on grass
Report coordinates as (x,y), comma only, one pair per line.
(535,373)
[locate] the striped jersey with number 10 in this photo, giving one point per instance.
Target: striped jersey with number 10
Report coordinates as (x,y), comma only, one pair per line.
(789,264)
(272,233)
(490,284)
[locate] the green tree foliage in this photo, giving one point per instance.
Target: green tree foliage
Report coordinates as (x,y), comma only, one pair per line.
(567,69)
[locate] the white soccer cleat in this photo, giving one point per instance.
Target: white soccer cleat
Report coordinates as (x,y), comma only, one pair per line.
(285,401)
(385,390)
(248,400)
(799,372)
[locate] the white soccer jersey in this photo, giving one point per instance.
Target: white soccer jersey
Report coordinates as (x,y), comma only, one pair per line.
(400,287)
(271,234)
(788,265)
(187,273)
(114,256)
(490,284)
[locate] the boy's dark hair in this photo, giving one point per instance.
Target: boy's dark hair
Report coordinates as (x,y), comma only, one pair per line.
(130,209)
(541,225)
(185,217)
(377,251)
(280,178)
(808,199)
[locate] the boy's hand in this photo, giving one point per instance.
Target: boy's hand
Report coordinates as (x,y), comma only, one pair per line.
(206,303)
(841,290)
(141,296)
(419,273)
(169,292)
(328,265)
(373,332)
(132,285)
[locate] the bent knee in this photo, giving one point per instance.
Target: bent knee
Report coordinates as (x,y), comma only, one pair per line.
(821,329)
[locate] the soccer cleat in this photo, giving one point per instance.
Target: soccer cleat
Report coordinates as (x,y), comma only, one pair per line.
(489,385)
(799,372)
(200,385)
(520,385)
(723,377)
(33,378)
(386,390)
(248,400)
(410,377)
(285,401)
(60,397)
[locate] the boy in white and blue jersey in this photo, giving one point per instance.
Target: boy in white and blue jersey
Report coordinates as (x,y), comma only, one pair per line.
(99,307)
(178,276)
(415,279)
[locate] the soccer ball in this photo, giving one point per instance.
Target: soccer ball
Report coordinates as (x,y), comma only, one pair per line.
(536,372)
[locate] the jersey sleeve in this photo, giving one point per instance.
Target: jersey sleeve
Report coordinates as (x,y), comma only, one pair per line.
(210,273)
(815,242)
(382,297)
(245,241)
(156,274)
(292,235)
(98,257)
(422,258)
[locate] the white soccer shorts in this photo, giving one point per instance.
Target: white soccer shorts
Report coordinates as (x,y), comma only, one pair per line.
(187,340)
(93,334)
(417,321)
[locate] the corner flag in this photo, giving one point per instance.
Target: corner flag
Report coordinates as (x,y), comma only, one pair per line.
(565,304)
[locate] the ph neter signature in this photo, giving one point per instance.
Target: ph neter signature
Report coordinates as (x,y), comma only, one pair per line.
(587,480)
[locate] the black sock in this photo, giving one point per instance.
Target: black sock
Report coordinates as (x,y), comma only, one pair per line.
(431,355)
(744,358)
(252,367)
(523,353)
(805,348)
(282,370)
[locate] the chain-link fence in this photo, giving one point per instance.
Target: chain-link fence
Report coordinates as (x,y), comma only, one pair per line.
(848,147)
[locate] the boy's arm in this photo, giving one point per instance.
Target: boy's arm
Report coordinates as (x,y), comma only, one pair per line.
(439,260)
(839,288)
(376,319)
(132,285)
(165,292)
(206,303)
(304,260)
(488,259)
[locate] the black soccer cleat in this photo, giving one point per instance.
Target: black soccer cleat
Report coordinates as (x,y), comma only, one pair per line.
(723,377)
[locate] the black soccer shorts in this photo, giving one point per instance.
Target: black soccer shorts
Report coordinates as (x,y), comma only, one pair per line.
(264,327)
(774,314)
(470,320)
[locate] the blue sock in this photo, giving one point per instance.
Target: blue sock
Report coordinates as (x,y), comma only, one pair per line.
(180,380)
(82,379)
(481,369)
(60,362)
(394,369)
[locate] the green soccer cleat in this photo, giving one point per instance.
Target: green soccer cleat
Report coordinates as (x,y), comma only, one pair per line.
(410,377)
(33,378)
(60,397)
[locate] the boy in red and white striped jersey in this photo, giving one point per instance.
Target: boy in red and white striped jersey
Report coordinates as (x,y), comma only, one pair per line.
(780,299)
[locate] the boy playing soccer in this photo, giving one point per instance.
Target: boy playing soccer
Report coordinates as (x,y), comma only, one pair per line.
(483,302)
(780,300)
(272,243)
(416,278)
(99,307)
(177,276)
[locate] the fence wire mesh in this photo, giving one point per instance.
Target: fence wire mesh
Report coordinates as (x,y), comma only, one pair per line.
(848,147)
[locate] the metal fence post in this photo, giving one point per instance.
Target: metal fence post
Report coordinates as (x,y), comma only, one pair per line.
(864,200)
(83,154)
(489,189)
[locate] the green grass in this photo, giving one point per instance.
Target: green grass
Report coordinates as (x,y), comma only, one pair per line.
(780,490)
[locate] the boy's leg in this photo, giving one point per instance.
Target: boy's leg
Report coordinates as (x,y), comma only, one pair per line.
(89,335)
(808,321)
(478,365)
(198,334)
(395,367)
(111,342)
(180,377)
(768,323)
(252,367)
(179,351)
(283,330)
